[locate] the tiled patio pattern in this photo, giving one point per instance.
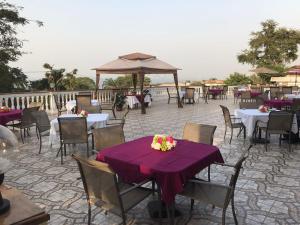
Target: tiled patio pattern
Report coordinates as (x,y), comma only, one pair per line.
(268,189)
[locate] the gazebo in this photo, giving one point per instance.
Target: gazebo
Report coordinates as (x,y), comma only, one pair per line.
(138,64)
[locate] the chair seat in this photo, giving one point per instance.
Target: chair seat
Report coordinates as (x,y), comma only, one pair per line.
(130,199)
(21,126)
(237,125)
(209,193)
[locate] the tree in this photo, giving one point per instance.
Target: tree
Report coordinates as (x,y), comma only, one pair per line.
(84,83)
(255,79)
(41,84)
(10,47)
(54,76)
(237,79)
(69,80)
(124,82)
(272,47)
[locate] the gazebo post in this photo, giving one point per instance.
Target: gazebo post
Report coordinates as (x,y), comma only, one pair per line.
(134,81)
(142,76)
(176,85)
(97,83)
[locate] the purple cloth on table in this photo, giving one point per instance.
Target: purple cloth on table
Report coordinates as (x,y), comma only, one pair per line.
(215,91)
(278,104)
(252,93)
(6,117)
(136,161)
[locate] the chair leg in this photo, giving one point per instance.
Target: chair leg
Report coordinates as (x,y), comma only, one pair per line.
(89,214)
(87,149)
(61,155)
(208,173)
(223,216)
(21,133)
(225,132)
(65,149)
(169,100)
(266,144)
(280,140)
(231,136)
(290,149)
(192,204)
(40,144)
(233,211)
(113,111)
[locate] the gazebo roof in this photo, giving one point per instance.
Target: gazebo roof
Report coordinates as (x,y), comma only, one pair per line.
(136,62)
(264,70)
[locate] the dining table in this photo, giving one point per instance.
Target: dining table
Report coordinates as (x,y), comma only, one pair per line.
(95,120)
(133,100)
(14,114)
(135,161)
(250,116)
(215,92)
(292,96)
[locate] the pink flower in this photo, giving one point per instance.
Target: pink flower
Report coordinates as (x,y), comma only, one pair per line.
(159,140)
(170,139)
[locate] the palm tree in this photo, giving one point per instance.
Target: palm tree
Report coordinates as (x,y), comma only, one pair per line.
(54,76)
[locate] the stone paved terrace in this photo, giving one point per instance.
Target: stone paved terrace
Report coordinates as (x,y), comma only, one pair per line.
(268,189)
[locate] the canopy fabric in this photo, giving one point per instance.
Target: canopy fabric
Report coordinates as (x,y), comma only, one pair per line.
(264,70)
(136,62)
(294,70)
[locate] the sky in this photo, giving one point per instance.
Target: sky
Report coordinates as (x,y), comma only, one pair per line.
(203,38)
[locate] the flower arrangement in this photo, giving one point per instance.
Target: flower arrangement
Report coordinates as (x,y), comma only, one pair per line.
(263,108)
(163,142)
(83,113)
(4,109)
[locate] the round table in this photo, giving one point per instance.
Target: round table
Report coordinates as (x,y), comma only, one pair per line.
(72,103)
(97,120)
(6,117)
(132,100)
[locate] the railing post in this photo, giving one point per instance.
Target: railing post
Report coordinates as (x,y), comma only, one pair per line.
(52,105)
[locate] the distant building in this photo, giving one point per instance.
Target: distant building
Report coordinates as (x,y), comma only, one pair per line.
(213,82)
(288,80)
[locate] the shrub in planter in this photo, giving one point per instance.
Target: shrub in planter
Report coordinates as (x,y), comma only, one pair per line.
(120,101)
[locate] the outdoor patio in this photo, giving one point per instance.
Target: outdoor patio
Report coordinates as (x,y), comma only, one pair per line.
(268,189)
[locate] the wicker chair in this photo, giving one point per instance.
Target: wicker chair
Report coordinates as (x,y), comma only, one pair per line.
(42,125)
(104,189)
(72,130)
(37,105)
(26,122)
(204,93)
(296,104)
(108,136)
(280,122)
(83,101)
(190,95)
(230,122)
(225,92)
(273,92)
(236,95)
(246,96)
(171,96)
(110,106)
(121,117)
(59,106)
(248,105)
(219,195)
(200,133)
(287,90)
(91,109)
(294,88)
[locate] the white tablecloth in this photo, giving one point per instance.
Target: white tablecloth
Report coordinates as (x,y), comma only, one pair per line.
(250,116)
(72,103)
(96,120)
(292,96)
(132,100)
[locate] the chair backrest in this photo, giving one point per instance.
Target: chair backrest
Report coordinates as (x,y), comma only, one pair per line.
(82,101)
(280,120)
(73,130)
(99,182)
(27,118)
(42,120)
(91,108)
(108,136)
(248,105)
(287,90)
(189,92)
(295,88)
(226,115)
(296,104)
(245,96)
(37,105)
(273,91)
(200,133)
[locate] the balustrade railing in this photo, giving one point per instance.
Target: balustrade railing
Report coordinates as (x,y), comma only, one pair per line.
(22,100)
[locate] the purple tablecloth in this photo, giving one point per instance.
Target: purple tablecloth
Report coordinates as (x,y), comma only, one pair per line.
(136,161)
(6,117)
(252,93)
(215,91)
(278,104)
